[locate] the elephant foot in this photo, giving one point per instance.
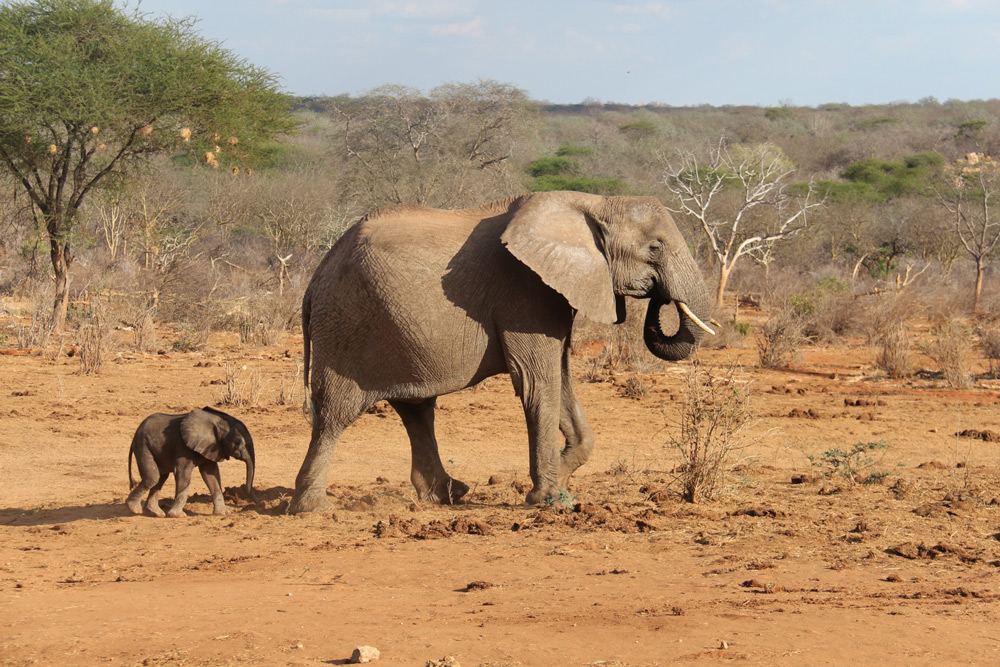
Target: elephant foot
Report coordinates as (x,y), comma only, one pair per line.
(176,513)
(220,510)
(447,492)
(550,496)
(134,506)
(310,501)
(154,509)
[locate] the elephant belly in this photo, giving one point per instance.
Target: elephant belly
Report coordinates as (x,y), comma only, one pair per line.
(400,337)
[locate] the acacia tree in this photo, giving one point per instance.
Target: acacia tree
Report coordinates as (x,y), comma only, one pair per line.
(738,198)
(448,148)
(88,91)
(971,193)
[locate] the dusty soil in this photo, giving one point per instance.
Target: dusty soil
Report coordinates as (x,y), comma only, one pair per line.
(622,572)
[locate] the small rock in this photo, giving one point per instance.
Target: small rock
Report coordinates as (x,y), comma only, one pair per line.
(447,661)
(364,654)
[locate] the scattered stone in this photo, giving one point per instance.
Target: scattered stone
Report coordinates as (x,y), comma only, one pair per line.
(930,511)
(447,661)
(478,586)
(805,478)
(933,465)
(766,512)
(364,654)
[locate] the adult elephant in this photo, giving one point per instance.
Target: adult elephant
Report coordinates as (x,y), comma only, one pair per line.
(412,303)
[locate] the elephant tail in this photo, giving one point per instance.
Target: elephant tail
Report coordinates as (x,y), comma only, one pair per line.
(131,482)
(307,406)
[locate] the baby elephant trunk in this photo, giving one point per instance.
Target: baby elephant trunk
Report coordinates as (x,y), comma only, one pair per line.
(248,457)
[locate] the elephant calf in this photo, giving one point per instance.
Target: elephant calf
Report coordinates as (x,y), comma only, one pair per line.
(175,443)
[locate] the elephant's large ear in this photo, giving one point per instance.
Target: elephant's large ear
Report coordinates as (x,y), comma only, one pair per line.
(552,235)
(203,432)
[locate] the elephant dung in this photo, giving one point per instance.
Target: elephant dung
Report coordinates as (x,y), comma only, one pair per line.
(364,654)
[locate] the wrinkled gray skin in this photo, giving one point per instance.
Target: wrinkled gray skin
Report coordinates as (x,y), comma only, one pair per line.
(165,444)
(412,303)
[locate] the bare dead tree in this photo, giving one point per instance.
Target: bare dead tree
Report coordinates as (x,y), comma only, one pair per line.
(739,199)
(970,192)
(448,148)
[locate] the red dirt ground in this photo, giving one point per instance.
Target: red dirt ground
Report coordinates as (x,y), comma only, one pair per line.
(818,573)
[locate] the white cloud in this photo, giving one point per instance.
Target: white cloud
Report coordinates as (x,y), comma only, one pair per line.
(655,9)
(436,9)
(339,14)
(473,28)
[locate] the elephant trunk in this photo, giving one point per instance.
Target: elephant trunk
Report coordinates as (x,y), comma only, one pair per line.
(692,316)
(251,460)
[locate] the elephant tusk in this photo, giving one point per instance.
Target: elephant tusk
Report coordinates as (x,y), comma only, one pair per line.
(694,318)
(715,322)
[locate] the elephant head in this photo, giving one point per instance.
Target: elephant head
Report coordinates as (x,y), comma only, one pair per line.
(597,250)
(218,436)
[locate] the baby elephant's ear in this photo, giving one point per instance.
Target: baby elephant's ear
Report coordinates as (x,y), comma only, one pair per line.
(202,431)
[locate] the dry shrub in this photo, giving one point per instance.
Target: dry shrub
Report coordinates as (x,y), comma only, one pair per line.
(138,314)
(893,344)
(634,387)
(988,340)
(243,386)
(35,334)
(95,335)
(949,346)
(263,319)
(286,392)
(779,337)
(715,418)
(730,334)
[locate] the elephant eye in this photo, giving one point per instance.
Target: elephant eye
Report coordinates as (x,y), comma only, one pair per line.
(655,247)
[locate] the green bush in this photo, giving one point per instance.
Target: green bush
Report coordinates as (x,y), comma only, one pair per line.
(778,113)
(552,166)
(638,129)
(597,186)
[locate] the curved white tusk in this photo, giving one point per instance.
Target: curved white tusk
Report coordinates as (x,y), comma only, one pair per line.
(694,318)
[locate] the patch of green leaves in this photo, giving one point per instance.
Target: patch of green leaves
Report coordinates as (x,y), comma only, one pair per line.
(858,465)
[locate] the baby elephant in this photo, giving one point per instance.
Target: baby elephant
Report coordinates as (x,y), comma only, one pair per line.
(176,443)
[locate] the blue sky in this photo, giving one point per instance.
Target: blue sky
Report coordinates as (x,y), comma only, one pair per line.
(680,52)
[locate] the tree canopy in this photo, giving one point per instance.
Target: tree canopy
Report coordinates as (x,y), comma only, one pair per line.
(89,90)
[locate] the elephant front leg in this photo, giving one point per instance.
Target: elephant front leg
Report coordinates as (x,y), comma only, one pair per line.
(427,472)
(574,426)
(538,384)
(182,478)
(210,473)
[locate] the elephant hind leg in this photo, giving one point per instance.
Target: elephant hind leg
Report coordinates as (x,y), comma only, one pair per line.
(153,499)
(427,472)
(134,500)
(338,402)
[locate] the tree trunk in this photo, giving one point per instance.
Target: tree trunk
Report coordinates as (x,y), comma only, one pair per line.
(61,261)
(724,272)
(979,284)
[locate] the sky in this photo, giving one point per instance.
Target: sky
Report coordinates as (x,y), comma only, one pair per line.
(677,52)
